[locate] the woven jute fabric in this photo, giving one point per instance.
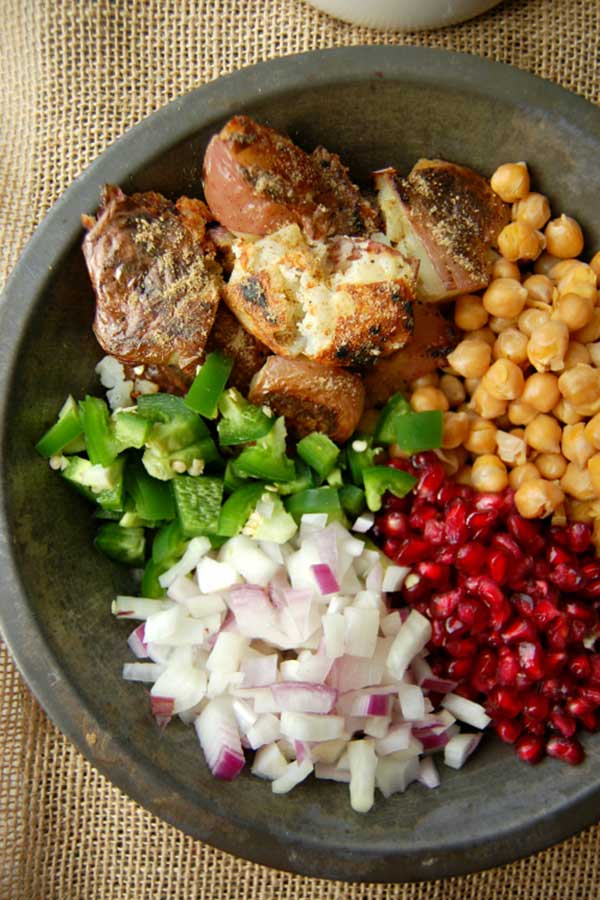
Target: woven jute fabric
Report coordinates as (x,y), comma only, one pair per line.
(74,74)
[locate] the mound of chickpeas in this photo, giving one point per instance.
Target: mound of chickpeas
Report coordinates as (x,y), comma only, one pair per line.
(521,392)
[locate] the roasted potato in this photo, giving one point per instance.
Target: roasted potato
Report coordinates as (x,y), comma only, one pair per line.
(257,180)
(234,341)
(310,396)
(155,277)
(342,302)
(448,217)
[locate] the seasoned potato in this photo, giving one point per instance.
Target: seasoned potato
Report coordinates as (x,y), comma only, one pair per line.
(234,341)
(310,396)
(257,180)
(156,280)
(342,302)
(448,217)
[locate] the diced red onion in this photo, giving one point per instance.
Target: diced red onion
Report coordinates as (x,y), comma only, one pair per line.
(311,727)
(428,773)
(181,588)
(397,738)
(438,685)
(186,685)
(393,578)
(265,730)
(269,762)
(332,773)
(362,626)
(259,670)
(412,701)
(363,764)
(219,738)
(459,748)
(363,523)
(409,641)
(430,739)
(142,671)
(244,715)
(334,629)
(326,580)
(293,775)
(245,556)
(214,576)
(466,710)
(227,652)
(137,643)
(125,607)
(394,775)
(296,696)
(195,550)
(162,709)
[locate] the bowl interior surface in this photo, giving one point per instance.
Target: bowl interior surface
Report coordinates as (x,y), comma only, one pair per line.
(376,109)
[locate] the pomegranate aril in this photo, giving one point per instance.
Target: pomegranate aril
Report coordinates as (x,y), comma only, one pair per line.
(531,659)
(471,558)
(578,610)
(498,564)
(483,676)
(524,603)
(438,633)
(456,628)
(434,532)
(519,630)
(578,707)
(436,574)
(534,726)
(544,612)
(420,514)
(567,578)
(391,547)
(456,522)
(562,722)
(591,694)
(498,503)
(462,648)
(579,536)
(482,587)
(499,616)
(567,749)
(591,569)
(557,633)
(430,481)
(508,667)
(395,504)
(481,523)
(530,748)
(592,590)
(414,589)
(394,524)
(508,730)
(458,669)
(536,706)
(557,555)
(590,721)
(404,465)
(474,614)
(445,555)
(503,541)
(555,661)
(466,690)
(525,533)
(411,551)
(504,701)
(541,569)
(443,605)
(577,631)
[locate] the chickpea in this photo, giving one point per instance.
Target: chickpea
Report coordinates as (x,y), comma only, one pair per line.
(575,311)
(544,434)
(541,391)
(547,346)
(511,181)
(504,380)
(537,498)
(503,268)
(454,389)
(551,465)
(456,427)
(564,237)
(497,324)
(579,353)
(576,482)
(559,518)
(592,431)
(544,264)
(505,298)
(471,385)
(521,413)
(511,344)
(565,412)
(540,288)
(534,210)
(581,510)
(482,436)
(562,267)
(486,405)
(482,334)
(578,279)
(590,332)
(519,241)
(580,386)
(432,379)
(463,476)
(593,467)
(520,474)
(489,474)
(531,319)
(595,265)
(471,359)
(575,445)
(428,398)
(453,460)
(593,352)
(511,448)
(469,313)
(518,432)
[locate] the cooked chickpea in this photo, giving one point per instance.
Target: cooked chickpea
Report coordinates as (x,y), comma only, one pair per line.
(595,265)
(469,313)
(580,386)
(592,431)
(453,460)
(497,324)
(551,465)
(544,434)
(520,474)
(579,353)
(593,467)
(454,389)
(428,398)
(593,352)
(531,319)
(518,432)
(565,412)
(575,311)
(581,510)
(482,436)
(432,379)
(520,413)
(537,498)
(505,298)
(471,359)
(456,427)
(486,405)
(541,391)
(463,476)
(504,268)
(544,264)
(575,445)
(489,473)
(548,345)
(511,448)
(579,279)
(590,332)
(511,181)
(504,380)
(539,288)
(564,237)
(562,267)
(482,334)
(576,482)
(471,385)
(534,210)
(511,344)
(519,241)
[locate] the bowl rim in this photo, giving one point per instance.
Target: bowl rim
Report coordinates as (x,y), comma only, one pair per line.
(175,122)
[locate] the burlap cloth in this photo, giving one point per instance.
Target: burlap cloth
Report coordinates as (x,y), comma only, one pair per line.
(73,76)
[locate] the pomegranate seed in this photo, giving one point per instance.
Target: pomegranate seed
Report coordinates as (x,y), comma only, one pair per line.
(443,605)
(565,748)
(506,701)
(430,481)
(414,588)
(481,523)
(465,690)
(536,706)
(560,721)
(544,612)
(498,563)
(508,730)
(524,603)
(504,542)
(483,676)
(395,504)
(445,555)
(404,465)
(519,630)
(530,748)
(462,647)
(557,556)
(471,558)
(456,522)
(508,667)
(436,574)
(394,524)
(438,633)
(420,514)
(458,669)
(434,532)
(541,569)
(424,460)
(446,494)
(590,721)
(391,547)
(579,536)
(531,659)
(534,726)
(456,628)
(557,633)
(591,694)
(525,533)
(555,661)
(483,587)
(499,616)
(567,578)
(591,570)
(577,631)
(592,590)
(411,551)
(578,707)
(558,535)
(580,611)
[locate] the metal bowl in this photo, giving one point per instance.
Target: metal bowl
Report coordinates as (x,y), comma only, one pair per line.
(376,106)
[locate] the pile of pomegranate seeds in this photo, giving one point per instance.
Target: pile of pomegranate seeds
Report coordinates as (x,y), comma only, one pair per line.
(514,605)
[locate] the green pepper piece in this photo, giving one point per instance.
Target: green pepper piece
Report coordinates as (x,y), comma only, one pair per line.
(108,514)
(104,486)
(169,543)
(231,479)
(335,478)
(193,457)
(305,478)
(99,439)
(123,545)
(237,508)
(152,498)
(267,459)
(164,407)
(66,429)
(379,479)
(314,500)
(319,452)
(418,431)
(208,385)
(151,586)
(360,455)
(241,421)
(130,429)
(198,503)
(385,429)
(352,499)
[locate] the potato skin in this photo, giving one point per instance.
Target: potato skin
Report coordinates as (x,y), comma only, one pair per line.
(155,277)
(310,396)
(257,180)
(232,339)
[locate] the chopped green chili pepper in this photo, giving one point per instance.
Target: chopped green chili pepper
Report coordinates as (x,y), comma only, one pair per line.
(198,503)
(231,479)
(241,421)
(335,478)
(151,586)
(192,459)
(208,385)
(314,500)
(163,408)
(267,460)
(123,545)
(66,429)
(379,479)
(385,430)
(305,478)
(418,431)
(270,521)
(319,452)
(152,498)
(99,438)
(169,543)
(130,430)
(104,486)
(237,508)
(352,499)
(360,455)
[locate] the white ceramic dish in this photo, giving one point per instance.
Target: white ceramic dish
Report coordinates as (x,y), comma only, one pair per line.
(404,15)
